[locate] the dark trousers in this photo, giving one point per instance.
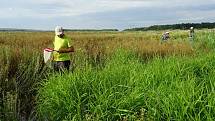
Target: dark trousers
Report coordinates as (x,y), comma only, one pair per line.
(61,65)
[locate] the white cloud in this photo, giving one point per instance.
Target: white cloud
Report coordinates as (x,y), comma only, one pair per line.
(79,7)
(54,8)
(72,12)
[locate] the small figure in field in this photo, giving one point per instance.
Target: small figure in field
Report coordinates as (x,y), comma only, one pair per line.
(191,34)
(165,36)
(61,56)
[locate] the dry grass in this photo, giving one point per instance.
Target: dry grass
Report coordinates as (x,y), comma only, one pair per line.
(18,58)
(96,43)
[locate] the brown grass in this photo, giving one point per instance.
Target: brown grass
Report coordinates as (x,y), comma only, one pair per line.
(94,47)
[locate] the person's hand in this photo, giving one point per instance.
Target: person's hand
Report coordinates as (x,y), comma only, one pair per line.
(66,50)
(56,51)
(71,49)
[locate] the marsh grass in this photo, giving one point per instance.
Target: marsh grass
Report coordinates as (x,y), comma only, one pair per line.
(21,66)
(20,73)
(173,88)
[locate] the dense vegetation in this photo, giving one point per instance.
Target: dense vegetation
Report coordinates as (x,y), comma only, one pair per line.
(126,88)
(117,76)
(182,26)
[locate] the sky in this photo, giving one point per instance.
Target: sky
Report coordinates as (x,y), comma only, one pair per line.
(102,14)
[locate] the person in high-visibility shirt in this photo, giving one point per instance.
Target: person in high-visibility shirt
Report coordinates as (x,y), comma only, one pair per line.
(165,36)
(191,34)
(61,56)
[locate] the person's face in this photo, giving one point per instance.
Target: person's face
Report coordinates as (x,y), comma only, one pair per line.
(61,35)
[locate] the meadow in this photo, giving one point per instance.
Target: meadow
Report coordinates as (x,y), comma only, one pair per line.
(117,76)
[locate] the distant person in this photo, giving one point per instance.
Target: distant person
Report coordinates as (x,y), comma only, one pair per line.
(61,56)
(191,34)
(165,36)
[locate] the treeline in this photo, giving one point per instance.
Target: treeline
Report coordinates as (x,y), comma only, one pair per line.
(72,30)
(18,30)
(182,26)
(91,30)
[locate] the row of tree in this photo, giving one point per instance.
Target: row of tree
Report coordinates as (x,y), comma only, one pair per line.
(73,30)
(182,26)
(91,30)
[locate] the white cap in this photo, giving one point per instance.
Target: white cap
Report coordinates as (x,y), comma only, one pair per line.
(191,27)
(167,32)
(58,30)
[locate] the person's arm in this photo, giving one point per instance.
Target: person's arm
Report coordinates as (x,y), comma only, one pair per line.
(66,50)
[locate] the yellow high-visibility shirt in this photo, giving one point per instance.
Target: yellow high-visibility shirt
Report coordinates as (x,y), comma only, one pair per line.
(60,43)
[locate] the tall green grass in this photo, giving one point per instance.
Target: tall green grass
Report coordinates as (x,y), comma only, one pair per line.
(20,72)
(173,88)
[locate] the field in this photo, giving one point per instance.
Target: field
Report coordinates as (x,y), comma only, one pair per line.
(121,76)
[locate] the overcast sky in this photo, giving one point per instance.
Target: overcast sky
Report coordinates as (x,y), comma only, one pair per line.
(99,14)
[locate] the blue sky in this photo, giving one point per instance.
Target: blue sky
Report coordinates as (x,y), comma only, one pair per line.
(99,14)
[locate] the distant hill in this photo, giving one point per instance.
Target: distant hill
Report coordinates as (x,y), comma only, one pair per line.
(182,26)
(73,30)
(17,30)
(92,30)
